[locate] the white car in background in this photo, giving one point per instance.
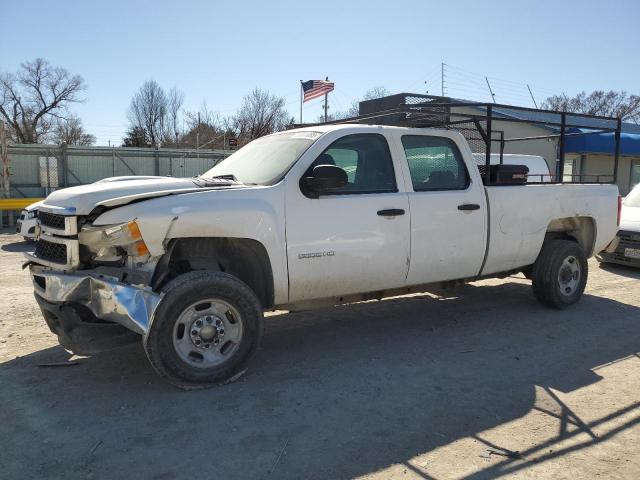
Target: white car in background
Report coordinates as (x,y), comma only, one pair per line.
(625,248)
(26,224)
(537,165)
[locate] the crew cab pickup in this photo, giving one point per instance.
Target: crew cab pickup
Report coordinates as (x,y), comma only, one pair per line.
(308,217)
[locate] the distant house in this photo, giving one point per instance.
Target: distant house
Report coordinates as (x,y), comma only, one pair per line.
(592,154)
(586,156)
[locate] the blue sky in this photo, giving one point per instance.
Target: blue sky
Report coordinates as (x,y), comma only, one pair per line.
(218,51)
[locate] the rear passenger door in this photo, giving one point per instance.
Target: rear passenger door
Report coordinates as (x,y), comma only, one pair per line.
(448,212)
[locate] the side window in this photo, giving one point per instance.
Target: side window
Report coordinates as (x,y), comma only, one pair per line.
(435,163)
(346,159)
(366,159)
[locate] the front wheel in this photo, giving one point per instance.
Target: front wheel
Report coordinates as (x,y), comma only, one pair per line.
(205,330)
(560,273)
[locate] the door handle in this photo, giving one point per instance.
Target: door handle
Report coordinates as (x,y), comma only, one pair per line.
(469,206)
(391,212)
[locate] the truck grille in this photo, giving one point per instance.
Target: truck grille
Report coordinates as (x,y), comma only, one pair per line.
(51,220)
(54,252)
(628,239)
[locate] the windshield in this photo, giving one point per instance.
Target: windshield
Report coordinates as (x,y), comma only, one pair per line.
(265,160)
(633,199)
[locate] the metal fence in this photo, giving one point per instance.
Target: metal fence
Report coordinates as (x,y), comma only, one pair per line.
(36,170)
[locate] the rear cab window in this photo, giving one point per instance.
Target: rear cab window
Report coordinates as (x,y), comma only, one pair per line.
(435,163)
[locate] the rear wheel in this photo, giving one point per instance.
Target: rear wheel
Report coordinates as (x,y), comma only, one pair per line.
(560,273)
(205,330)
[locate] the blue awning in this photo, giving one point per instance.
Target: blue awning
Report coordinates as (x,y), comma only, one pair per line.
(602,143)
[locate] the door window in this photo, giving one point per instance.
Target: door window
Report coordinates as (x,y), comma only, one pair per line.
(366,159)
(435,163)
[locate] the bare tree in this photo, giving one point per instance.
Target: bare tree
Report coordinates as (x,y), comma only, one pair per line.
(354,109)
(174,105)
(71,132)
(202,116)
(261,113)
(608,104)
(376,92)
(148,111)
(204,129)
(34,97)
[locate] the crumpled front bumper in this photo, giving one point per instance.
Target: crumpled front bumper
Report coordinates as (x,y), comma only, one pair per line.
(104,297)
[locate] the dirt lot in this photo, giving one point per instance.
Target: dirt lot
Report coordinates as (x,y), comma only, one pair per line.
(480,382)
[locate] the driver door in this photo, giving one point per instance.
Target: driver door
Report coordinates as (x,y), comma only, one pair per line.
(354,239)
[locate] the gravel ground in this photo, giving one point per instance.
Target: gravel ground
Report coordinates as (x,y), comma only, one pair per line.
(476,382)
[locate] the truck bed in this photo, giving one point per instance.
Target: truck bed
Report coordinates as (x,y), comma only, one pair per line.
(519,217)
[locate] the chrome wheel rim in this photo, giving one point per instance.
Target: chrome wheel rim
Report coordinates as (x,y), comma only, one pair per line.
(569,275)
(207,333)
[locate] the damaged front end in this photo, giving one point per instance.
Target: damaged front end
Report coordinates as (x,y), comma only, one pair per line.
(91,283)
(91,312)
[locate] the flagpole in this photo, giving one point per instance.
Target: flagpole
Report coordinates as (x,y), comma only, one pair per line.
(301,96)
(326,95)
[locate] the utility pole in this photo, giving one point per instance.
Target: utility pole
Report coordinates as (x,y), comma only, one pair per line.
(442,78)
(198,138)
(326,104)
(493,95)
(198,133)
(4,156)
(534,100)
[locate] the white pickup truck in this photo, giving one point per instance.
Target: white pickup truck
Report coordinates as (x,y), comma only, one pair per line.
(308,217)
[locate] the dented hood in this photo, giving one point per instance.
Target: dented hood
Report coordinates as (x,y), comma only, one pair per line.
(81,200)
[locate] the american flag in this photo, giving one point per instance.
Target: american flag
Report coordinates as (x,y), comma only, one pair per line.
(316,88)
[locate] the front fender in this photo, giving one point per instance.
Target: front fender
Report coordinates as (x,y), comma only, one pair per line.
(253,213)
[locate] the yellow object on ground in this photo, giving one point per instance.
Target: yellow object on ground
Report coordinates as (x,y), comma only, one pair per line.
(16,203)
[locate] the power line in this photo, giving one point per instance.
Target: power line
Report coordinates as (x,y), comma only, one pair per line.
(495,79)
(458,79)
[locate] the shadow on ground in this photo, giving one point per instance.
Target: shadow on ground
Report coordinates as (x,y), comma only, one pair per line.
(623,270)
(332,394)
(23,246)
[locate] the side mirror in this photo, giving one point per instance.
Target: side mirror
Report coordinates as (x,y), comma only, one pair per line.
(324,178)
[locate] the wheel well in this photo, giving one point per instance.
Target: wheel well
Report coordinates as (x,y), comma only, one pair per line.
(579,229)
(244,258)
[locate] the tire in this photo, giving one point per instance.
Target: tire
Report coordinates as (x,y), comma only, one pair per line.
(205,330)
(560,273)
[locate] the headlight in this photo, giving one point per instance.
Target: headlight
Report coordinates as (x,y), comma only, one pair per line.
(125,235)
(30,215)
